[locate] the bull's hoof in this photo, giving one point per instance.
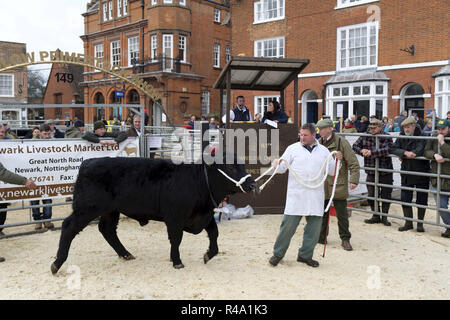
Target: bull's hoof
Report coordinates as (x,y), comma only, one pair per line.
(178,266)
(128,257)
(54,268)
(208,256)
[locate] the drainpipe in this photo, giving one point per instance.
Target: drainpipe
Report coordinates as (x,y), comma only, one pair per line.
(324,99)
(142,36)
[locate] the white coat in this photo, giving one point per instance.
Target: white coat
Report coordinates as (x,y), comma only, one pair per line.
(302,201)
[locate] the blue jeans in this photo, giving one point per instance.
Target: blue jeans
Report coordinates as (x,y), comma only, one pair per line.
(47,211)
(443,203)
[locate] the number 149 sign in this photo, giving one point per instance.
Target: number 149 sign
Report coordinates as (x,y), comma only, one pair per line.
(64,77)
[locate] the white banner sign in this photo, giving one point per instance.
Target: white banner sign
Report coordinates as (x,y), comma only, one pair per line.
(53,164)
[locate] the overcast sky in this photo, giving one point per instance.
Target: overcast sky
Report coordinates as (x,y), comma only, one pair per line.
(44,25)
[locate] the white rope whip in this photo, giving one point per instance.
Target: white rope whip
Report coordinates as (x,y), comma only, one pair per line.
(299,181)
(325,166)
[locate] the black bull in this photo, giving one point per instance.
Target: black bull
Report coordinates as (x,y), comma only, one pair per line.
(149,189)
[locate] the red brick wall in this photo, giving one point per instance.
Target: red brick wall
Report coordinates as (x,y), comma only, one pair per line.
(195,21)
(67,92)
(310,30)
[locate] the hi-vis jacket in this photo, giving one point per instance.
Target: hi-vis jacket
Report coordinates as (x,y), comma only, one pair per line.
(300,200)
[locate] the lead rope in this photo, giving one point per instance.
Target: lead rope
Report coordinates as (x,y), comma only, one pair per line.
(299,181)
(237,183)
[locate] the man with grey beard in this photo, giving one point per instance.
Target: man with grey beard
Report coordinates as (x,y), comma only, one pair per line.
(407,150)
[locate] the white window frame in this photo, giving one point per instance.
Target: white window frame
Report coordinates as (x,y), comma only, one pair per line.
(352,3)
(110,10)
(443,96)
(182,45)
(119,8)
(133,49)
(261,11)
(154,42)
(154,2)
(205,102)
(262,107)
(216,15)
(182,2)
(168,67)
(216,55)
(227,54)
(259,52)
(339,49)
(351,97)
(99,53)
(11,94)
(125,7)
(105,12)
(115,54)
(167,1)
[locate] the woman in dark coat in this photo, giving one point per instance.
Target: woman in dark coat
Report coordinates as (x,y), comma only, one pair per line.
(274,113)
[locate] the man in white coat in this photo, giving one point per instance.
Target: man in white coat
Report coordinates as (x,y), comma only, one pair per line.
(306,158)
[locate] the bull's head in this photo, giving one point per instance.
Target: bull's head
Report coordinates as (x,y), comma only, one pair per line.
(237,177)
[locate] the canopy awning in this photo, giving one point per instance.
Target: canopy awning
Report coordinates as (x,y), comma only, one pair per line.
(266,74)
(358,77)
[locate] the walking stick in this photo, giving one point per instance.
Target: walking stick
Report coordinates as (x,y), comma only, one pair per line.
(328,219)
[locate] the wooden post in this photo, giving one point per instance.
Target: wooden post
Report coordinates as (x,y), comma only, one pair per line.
(340,124)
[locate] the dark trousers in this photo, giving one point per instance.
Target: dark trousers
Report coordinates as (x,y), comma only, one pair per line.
(3,214)
(383,192)
(343,224)
(46,211)
(421,197)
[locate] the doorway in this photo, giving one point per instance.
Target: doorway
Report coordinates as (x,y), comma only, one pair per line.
(312,112)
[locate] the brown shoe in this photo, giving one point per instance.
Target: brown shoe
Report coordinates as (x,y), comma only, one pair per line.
(346,245)
(49,225)
(38,226)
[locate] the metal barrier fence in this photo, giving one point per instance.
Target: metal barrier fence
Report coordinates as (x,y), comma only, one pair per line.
(376,184)
(186,144)
(173,144)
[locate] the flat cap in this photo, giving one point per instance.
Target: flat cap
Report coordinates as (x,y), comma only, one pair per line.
(50,121)
(375,123)
(410,120)
(443,123)
(325,123)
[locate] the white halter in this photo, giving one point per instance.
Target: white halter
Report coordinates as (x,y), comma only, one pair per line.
(237,183)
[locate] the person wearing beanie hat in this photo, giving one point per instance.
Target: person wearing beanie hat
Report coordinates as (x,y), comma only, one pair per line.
(78,124)
(76,131)
(100,132)
(407,150)
(99,125)
(432,152)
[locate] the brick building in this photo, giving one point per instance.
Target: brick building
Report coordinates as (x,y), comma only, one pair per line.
(13,83)
(367,56)
(177,46)
(63,87)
